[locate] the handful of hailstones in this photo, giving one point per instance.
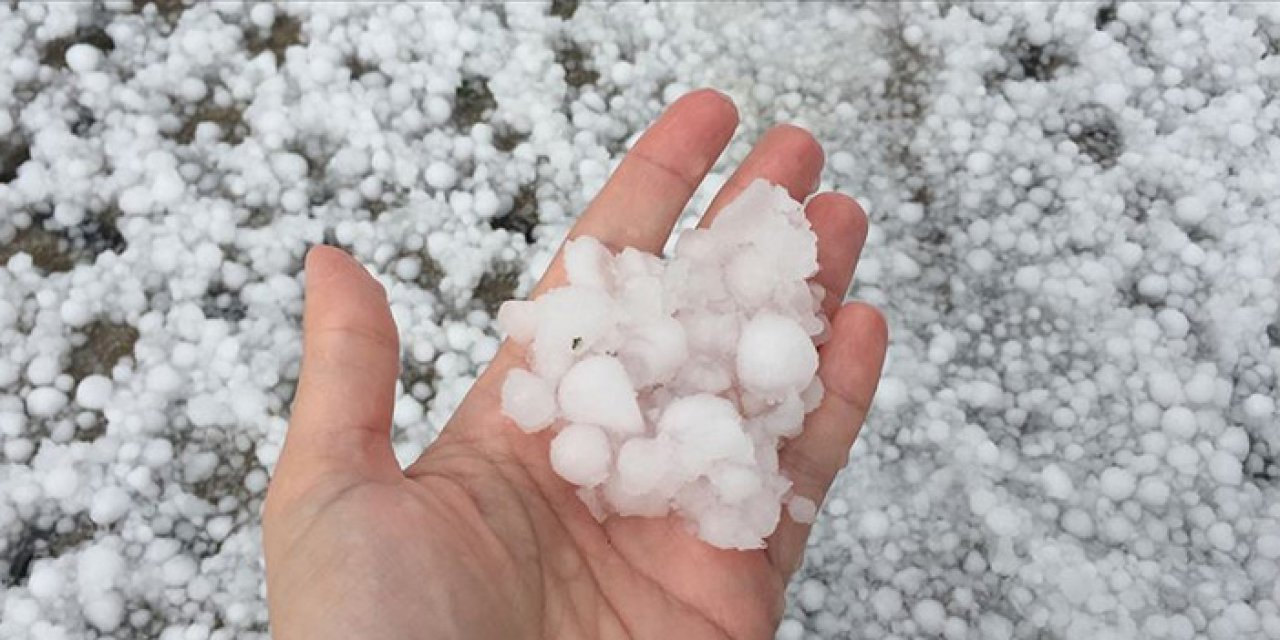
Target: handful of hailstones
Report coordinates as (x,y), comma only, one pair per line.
(671,384)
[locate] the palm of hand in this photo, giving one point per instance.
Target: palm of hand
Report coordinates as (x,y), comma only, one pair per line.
(479,538)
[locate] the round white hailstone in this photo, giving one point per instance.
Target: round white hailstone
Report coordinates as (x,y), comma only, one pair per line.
(891,393)
(598,391)
(83,58)
(643,464)
(570,322)
(93,392)
(1259,406)
(1221,536)
(930,615)
(163,379)
(407,412)
(874,524)
(979,162)
(785,420)
(1179,421)
(587,263)
(46,581)
(775,355)
(1002,521)
(1242,134)
(440,175)
(1077,523)
(97,569)
(1269,546)
(135,200)
(1153,491)
(802,509)
(1153,286)
(43,402)
(109,505)
(167,188)
(812,595)
(1199,389)
(654,351)
(706,429)
(1190,210)
(518,319)
(790,629)
(1057,484)
(581,454)
(750,277)
(911,212)
(811,397)
(528,400)
(734,483)
(887,603)
(1225,468)
(105,611)
(42,370)
(178,570)
(1117,484)
(61,482)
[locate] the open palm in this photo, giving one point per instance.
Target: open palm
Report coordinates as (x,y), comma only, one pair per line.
(479,538)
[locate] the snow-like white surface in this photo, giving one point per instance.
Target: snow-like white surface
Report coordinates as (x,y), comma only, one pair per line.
(1075,235)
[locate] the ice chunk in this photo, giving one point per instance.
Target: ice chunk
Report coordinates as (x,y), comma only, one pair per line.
(588,263)
(109,505)
(679,380)
(775,356)
(93,392)
(43,402)
(570,322)
(707,429)
(653,351)
(581,454)
(644,464)
(802,509)
(528,400)
(518,319)
(598,391)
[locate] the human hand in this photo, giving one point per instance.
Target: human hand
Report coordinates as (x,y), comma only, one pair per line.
(479,538)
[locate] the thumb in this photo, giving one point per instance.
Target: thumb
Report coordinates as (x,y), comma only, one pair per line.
(351,358)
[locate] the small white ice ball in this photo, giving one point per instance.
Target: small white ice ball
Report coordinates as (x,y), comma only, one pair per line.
(83,58)
(528,400)
(775,355)
(518,319)
(43,402)
(440,175)
(109,505)
(581,454)
(643,463)
(802,509)
(93,392)
(1190,210)
(598,391)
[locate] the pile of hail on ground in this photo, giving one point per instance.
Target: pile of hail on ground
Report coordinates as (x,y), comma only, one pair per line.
(670,386)
(1075,234)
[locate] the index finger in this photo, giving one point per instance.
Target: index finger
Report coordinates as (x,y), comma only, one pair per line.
(644,197)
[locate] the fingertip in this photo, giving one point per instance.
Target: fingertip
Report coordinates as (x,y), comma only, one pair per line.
(864,322)
(853,359)
(840,216)
(714,102)
(795,142)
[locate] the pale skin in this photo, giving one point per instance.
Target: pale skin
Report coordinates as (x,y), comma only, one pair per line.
(479,538)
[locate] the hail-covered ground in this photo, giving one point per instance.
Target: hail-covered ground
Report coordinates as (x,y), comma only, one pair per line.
(1075,235)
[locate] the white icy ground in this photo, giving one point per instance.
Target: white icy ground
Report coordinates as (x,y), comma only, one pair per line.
(1075,235)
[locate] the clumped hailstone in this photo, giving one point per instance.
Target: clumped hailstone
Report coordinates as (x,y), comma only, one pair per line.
(676,381)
